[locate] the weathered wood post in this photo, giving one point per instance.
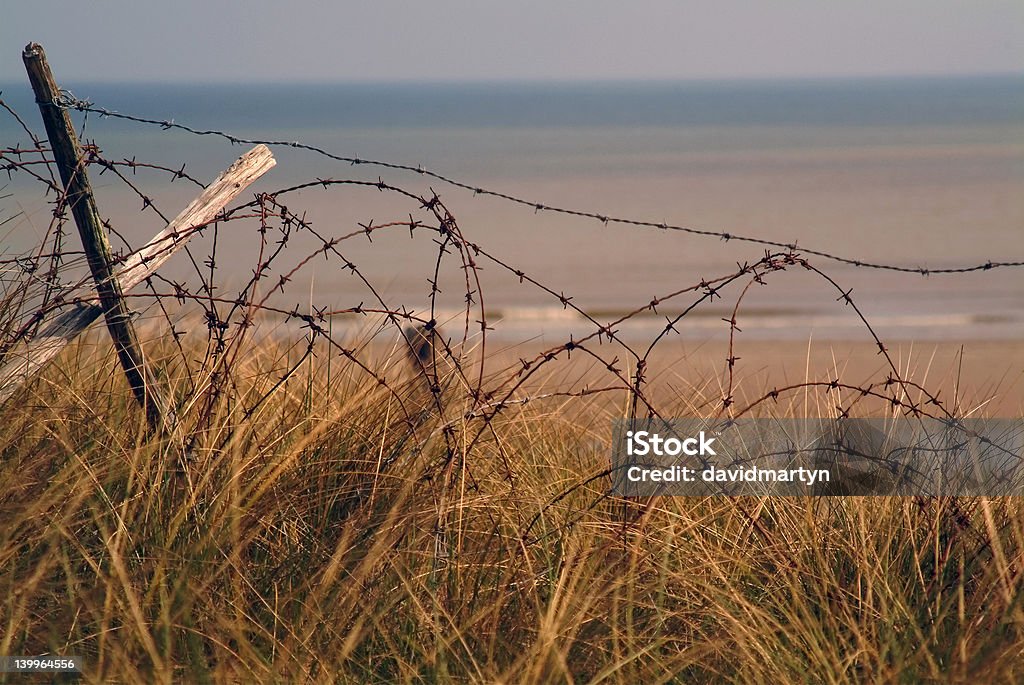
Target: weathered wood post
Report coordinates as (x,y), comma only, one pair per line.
(60,326)
(67,154)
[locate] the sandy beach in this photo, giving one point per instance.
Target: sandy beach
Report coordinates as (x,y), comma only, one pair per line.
(986,376)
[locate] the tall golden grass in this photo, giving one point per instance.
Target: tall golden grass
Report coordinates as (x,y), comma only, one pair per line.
(307,531)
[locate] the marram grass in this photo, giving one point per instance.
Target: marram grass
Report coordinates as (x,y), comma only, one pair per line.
(308,531)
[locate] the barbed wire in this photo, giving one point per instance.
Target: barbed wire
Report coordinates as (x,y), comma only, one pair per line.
(450,395)
(447,228)
(69,101)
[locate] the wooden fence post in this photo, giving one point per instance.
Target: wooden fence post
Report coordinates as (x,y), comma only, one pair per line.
(67,154)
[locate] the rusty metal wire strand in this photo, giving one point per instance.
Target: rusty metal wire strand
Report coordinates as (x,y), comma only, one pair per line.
(71,102)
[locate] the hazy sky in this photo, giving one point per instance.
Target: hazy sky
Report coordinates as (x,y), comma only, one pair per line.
(253,40)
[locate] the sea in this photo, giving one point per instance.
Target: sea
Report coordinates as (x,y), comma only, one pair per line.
(922,173)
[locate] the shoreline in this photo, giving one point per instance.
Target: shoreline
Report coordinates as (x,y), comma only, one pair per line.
(986,376)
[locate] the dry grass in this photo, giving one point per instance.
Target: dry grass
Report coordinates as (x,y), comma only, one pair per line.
(321,536)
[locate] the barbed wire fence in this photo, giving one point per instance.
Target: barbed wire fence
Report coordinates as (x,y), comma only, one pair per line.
(462,393)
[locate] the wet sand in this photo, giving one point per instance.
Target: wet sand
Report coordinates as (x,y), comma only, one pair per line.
(980,378)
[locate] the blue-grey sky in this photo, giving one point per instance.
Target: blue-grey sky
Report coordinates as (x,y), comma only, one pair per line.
(385,40)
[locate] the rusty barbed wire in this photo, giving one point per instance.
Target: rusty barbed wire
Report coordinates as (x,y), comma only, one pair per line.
(445,228)
(69,101)
(455,396)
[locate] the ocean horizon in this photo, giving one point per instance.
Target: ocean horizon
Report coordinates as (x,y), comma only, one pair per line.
(919,172)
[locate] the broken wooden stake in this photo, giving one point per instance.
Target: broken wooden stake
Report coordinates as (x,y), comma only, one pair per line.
(62,325)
